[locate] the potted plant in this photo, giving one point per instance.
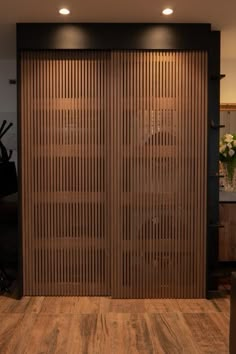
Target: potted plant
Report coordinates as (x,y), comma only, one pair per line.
(227,155)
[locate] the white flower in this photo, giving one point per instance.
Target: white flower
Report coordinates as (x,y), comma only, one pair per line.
(222,148)
(221,143)
(225,155)
(228,138)
(229,146)
(231,152)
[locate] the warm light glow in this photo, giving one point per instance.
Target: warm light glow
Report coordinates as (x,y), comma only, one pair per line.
(167,11)
(64,11)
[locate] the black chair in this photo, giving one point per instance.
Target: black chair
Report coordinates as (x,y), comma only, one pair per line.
(8,210)
(8,241)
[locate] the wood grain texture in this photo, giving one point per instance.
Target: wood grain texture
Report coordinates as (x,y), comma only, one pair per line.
(227,234)
(114,161)
(88,325)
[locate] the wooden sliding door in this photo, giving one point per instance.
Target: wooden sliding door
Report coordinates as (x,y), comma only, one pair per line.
(114,173)
(64,108)
(159,131)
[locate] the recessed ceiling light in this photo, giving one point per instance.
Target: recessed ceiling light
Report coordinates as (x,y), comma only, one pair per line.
(167,11)
(64,11)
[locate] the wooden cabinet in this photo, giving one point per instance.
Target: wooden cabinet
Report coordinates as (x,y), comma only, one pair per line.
(227,234)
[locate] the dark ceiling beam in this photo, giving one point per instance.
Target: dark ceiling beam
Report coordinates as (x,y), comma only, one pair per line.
(46,36)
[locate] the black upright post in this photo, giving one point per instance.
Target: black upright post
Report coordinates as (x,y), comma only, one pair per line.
(213,161)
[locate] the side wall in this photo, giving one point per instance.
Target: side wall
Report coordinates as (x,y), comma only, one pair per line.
(228,84)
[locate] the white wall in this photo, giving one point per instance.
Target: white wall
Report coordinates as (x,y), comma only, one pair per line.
(228,84)
(8,104)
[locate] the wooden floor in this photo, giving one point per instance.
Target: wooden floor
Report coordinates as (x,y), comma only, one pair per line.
(93,325)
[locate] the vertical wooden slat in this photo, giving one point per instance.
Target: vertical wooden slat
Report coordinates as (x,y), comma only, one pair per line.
(93,168)
(148,250)
(106,111)
(78,175)
(34,260)
(47,182)
(86,202)
(118,105)
(83,281)
(70,172)
(161,166)
(169,172)
(75,250)
(137,171)
(66,177)
(27,93)
(153,265)
(111,185)
(25,132)
(133,203)
(60,270)
(186,154)
(195,196)
(38,202)
(174,209)
(74,118)
(179,161)
(56,166)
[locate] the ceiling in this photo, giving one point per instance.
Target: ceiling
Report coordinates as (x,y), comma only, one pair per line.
(221,14)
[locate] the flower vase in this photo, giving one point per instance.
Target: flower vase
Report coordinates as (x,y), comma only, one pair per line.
(229,171)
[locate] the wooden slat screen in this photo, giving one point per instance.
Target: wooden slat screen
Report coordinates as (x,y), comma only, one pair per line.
(65,239)
(114,173)
(159,130)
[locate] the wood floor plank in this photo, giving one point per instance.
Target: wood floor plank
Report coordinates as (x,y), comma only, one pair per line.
(7,330)
(11,305)
(160,305)
(35,304)
(27,304)
(83,335)
(97,325)
(87,305)
(127,306)
(221,320)
(170,333)
(129,333)
(51,305)
(15,332)
(209,338)
(58,305)
(90,333)
(54,336)
(222,304)
(196,306)
(105,304)
(103,338)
